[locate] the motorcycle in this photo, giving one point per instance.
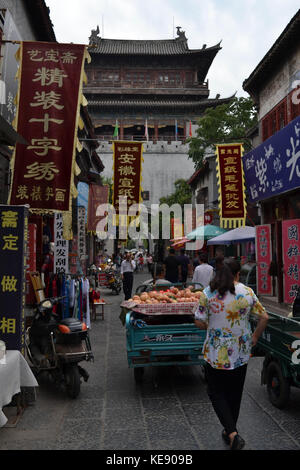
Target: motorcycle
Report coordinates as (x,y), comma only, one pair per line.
(113,278)
(57,346)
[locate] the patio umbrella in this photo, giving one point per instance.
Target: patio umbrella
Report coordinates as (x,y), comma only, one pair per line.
(237,235)
(205,232)
(180,242)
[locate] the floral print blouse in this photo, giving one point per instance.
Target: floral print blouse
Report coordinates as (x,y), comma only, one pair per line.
(229,336)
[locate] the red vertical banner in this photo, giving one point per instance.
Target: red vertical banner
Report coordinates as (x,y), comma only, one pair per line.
(291,258)
(127,172)
(48,114)
(232,200)
(97,195)
(263,259)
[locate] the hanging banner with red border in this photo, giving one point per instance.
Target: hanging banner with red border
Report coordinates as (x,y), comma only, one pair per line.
(48,114)
(98,195)
(263,259)
(230,173)
(291,258)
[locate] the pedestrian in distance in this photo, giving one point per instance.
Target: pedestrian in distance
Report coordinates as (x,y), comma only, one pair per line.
(224,309)
(127,270)
(172,268)
(184,262)
(203,273)
(150,262)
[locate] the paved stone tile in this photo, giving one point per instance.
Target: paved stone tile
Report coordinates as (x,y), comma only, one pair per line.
(122,418)
(125,439)
(80,434)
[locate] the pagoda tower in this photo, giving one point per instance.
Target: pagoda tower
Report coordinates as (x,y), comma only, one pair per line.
(154,90)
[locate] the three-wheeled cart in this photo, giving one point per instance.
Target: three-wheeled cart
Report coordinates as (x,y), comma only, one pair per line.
(162,335)
(279,344)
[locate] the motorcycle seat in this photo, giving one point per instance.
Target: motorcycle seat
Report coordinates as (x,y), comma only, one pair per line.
(73,323)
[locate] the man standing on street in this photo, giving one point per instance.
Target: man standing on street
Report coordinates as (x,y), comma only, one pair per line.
(172,268)
(203,273)
(184,262)
(127,270)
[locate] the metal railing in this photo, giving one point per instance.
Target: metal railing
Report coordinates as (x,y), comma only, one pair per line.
(160,138)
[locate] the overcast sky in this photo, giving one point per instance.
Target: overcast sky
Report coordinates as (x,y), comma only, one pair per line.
(247,28)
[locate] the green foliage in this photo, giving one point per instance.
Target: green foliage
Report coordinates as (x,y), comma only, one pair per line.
(182,194)
(108,181)
(224,124)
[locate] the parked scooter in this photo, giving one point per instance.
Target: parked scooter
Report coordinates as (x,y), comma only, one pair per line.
(57,346)
(113,278)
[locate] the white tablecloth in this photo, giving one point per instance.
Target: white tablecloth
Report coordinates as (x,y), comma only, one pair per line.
(15,374)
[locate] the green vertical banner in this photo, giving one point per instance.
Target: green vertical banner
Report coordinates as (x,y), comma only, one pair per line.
(13,243)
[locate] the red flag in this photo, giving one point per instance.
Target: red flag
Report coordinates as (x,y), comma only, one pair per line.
(190,133)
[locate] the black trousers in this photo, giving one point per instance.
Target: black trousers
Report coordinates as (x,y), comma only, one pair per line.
(225,389)
(127,284)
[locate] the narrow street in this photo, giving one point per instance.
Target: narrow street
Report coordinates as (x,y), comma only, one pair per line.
(170,410)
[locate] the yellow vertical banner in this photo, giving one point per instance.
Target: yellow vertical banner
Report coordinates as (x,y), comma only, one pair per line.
(231,183)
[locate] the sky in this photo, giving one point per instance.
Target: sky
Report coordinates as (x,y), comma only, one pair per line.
(247,28)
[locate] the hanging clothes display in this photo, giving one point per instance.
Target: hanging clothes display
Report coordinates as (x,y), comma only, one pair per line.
(75,292)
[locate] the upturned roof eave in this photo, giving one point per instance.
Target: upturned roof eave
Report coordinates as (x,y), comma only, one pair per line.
(275,54)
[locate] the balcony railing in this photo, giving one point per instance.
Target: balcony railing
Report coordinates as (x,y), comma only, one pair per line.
(160,138)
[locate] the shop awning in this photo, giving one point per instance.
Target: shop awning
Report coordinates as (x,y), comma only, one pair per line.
(205,232)
(180,242)
(237,235)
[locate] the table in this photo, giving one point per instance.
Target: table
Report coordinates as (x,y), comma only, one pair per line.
(94,309)
(15,374)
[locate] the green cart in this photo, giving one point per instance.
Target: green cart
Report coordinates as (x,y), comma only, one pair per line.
(280,346)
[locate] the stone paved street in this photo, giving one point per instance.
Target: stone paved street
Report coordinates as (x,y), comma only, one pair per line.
(170,410)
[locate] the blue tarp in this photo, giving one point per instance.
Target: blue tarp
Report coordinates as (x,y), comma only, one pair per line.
(237,235)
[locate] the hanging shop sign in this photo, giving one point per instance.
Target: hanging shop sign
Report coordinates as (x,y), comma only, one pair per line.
(81,233)
(263,259)
(61,246)
(274,166)
(13,241)
(291,258)
(127,172)
(98,195)
(48,115)
(232,200)
(83,197)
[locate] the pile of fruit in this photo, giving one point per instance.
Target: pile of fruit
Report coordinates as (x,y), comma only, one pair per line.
(170,296)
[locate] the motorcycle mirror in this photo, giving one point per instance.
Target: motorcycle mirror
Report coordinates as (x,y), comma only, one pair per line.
(46,304)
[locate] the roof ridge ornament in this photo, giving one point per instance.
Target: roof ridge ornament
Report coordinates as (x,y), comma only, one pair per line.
(180,34)
(94,37)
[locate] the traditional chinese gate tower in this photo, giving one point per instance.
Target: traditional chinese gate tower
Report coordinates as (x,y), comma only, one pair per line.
(160,86)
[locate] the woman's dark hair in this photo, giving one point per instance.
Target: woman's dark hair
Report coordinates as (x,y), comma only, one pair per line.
(224,278)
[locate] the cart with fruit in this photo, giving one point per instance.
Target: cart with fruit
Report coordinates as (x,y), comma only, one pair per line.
(160,330)
(279,345)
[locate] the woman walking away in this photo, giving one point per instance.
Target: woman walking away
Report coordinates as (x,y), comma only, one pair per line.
(224,309)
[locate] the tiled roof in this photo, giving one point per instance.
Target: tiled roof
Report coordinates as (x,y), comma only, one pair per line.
(160,102)
(153,47)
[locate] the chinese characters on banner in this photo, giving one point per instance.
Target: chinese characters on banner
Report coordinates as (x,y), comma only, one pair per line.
(81,233)
(127,173)
(61,246)
(291,258)
(49,96)
(263,259)
(232,199)
(97,195)
(13,239)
